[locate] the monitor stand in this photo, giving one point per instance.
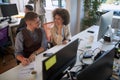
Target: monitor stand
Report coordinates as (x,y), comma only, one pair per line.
(113,41)
(11,20)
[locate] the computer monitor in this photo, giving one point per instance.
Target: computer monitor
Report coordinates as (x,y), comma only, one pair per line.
(1,1)
(105,21)
(55,66)
(8,10)
(100,69)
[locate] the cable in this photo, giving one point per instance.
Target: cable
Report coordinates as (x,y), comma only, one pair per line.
(96,49)
(86,54)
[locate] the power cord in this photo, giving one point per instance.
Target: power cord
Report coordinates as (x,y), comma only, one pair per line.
(84,65)
(88,54)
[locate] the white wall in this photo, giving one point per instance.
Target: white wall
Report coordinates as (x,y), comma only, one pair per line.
(48,15)
(75,9)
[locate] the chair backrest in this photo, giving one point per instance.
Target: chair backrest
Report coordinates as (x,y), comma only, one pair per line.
(4,36)
(47,27)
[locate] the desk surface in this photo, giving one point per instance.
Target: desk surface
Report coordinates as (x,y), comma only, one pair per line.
(86,39)
(15,23)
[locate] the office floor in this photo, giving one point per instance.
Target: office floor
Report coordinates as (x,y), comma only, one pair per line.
(10,61)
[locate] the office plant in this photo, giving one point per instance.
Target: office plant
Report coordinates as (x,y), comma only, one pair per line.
(90,13)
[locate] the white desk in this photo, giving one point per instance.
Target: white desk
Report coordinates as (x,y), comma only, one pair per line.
(13,74)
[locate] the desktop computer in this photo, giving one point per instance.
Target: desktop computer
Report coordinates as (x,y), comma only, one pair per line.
(106,34)
(7,11)
(57,65)
(104,26)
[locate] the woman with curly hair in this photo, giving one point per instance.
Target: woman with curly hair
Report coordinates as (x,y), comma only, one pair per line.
(60,33)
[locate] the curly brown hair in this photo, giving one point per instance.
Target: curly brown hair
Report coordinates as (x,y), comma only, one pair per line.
(63,13)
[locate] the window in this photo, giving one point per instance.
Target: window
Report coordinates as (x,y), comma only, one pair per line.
(111,5)
(5,1)
(58,3)
(51,4)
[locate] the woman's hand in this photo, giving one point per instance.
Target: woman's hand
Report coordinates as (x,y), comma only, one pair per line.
(65,42)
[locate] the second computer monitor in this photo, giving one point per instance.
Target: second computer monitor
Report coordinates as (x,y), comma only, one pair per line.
(8,10)
(105,21)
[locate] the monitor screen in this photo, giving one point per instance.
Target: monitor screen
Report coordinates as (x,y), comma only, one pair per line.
(1,1)
(8,10)
(100,69)
(55,66)
(105,21)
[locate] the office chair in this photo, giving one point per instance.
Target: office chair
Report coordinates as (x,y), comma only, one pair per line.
(47,27)
(4,41)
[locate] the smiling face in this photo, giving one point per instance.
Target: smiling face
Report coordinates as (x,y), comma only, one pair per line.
(58,20)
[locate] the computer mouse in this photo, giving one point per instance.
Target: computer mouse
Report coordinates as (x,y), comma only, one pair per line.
(47,54)
(90,31)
